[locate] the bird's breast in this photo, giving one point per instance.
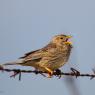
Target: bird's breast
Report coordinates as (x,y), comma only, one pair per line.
(55,57)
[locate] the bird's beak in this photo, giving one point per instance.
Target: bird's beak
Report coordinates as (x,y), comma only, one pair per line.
(69,36)
(68,42)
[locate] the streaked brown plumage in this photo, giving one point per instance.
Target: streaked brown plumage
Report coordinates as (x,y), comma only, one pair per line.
(51,57)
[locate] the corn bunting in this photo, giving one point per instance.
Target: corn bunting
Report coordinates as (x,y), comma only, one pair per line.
(49,58)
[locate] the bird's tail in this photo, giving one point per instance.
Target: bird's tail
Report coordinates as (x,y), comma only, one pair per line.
(18,62)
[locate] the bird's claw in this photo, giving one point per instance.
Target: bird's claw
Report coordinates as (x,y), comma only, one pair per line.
(58,73)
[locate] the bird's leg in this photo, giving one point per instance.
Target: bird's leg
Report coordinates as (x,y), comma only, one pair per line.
(50,72)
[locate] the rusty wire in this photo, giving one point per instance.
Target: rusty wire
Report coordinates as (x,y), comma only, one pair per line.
(57,73)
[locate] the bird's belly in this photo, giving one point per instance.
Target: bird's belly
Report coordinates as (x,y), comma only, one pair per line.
(57,64)
(53,64)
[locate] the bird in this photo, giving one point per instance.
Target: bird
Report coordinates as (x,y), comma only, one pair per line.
(49,58)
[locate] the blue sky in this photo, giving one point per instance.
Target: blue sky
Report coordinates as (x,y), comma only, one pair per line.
(27,25)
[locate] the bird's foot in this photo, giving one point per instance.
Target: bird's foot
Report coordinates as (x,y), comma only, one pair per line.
(58,73)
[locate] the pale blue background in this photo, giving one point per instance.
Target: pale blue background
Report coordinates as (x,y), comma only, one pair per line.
(26,25)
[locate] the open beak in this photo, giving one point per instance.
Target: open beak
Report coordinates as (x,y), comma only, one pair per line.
(68,42)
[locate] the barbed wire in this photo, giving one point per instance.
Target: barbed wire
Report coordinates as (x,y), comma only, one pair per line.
(56,73)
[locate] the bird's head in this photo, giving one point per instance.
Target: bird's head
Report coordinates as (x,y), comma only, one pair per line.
(61,39)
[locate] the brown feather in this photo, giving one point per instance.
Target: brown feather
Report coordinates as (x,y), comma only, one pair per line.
(27,54)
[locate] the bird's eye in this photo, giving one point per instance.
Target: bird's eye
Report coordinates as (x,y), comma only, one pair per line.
(61,38)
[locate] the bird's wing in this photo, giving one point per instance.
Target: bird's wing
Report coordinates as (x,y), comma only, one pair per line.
(27,54)
(37,54)
(33,56)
